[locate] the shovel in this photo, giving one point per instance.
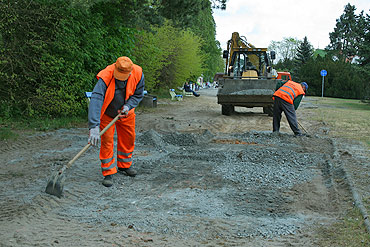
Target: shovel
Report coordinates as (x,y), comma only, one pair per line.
(56,182)
(307,134)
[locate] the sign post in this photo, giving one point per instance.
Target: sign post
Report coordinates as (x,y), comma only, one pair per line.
(323,73)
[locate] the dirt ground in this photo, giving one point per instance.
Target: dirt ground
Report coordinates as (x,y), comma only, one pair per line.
(204,179)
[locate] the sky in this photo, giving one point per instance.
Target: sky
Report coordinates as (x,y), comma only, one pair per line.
(265,20)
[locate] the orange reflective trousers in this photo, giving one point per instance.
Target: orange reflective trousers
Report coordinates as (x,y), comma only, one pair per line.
(125,143)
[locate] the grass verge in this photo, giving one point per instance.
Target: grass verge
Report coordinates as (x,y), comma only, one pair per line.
(7,134)
(346,118)
(349,119)
(349,231)
(10,129)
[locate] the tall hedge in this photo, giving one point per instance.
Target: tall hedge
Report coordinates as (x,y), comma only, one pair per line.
(50,52)
(344,80)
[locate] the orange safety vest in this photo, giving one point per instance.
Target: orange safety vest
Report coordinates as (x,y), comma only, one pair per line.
(108,78)
(289,91)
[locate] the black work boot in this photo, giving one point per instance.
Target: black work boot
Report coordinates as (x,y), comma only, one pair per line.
(128,171)
(108,181)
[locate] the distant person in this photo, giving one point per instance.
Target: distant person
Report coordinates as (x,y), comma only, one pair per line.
(198,84)
(287,97)
(119,89)
(188,89)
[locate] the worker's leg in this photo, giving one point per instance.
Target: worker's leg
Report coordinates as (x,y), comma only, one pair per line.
(291,117)
(125,140)
(276,114)
(106,148)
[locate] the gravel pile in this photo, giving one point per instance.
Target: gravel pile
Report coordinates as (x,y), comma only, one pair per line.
(254,92)
(201,185)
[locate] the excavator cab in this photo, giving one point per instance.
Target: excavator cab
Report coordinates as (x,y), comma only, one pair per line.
(249,63)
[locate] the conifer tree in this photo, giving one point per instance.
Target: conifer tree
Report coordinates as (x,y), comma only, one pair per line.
(304,52)
(347,34)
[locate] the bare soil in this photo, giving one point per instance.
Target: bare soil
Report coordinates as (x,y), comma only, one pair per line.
(204,179)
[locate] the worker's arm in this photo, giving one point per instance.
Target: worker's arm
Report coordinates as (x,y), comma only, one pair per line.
(297,101)
(134,100)
(96,103)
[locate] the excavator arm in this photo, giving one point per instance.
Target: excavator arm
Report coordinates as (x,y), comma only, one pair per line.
(238,49)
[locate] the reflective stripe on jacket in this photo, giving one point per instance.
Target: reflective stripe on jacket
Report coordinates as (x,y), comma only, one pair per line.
(108,78)
(289,91)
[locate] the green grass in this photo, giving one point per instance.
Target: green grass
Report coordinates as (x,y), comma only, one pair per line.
(349,119)
(10,128)
(57,123)
(346,118)
(7,134)
(349,231)
(351,104)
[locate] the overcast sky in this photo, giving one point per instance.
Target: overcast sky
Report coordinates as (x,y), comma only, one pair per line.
(265,20)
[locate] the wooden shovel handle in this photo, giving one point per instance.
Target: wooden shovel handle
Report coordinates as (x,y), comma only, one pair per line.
(88,145)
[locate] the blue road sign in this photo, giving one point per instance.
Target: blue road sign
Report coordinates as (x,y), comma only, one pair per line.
(323,72)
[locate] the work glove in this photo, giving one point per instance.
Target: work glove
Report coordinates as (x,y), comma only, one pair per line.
(124,112)
(94,136)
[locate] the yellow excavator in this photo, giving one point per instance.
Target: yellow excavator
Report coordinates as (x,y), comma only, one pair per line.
(242,56)
(249,79)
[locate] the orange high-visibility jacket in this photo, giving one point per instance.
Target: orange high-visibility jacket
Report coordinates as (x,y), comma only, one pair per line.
(289,91)
(108,78)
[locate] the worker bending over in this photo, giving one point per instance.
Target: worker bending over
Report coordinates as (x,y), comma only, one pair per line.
(119,89)
(287,97)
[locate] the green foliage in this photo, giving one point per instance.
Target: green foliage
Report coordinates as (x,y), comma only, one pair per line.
(169,56)
(344,80)
(219,4)
(196,15)
(203,25)
(7,134)
(351,37)
(51,50)
(286,65)
(319,52)
(348,32)
(189,57)
(364,47)
(304,52)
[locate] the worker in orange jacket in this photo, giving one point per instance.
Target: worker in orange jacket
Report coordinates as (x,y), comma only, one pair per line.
(119,89)
(287,98)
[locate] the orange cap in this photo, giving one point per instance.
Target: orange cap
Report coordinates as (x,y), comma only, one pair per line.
(123,68)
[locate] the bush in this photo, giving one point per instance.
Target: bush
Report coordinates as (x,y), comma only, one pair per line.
(52,50)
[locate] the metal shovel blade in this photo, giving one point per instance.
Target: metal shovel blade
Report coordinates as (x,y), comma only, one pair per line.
(55,185)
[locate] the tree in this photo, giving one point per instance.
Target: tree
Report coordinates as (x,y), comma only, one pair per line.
(364,54)
(50,50)
(196,15)
(347,34)
(304,53)
(364,47)
(219,4)
(169,56)
(204,26)
(285,49)
(285,52)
